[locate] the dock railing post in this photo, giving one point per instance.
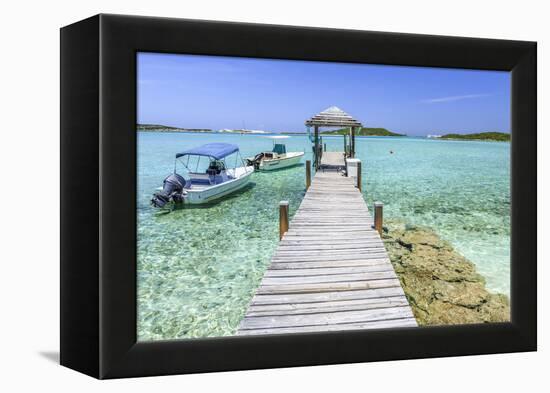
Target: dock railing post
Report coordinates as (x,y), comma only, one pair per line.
(359,176)
(283,218)
(378,216)
(308,174)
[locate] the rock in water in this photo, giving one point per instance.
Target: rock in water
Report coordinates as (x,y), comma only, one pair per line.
(442,286)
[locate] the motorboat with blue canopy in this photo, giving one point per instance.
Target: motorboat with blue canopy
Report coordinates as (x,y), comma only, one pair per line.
(207,175)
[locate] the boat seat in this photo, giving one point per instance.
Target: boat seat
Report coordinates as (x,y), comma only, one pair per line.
(210,180)
(215,167)
(200,180)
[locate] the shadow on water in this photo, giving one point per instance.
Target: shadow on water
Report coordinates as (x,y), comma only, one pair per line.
(208,205)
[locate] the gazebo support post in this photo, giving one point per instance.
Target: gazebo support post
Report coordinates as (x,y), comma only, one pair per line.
(352,142)
(346,145)
(316,152)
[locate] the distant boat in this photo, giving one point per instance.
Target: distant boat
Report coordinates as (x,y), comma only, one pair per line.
(433,136)
(277,158)
(216,181)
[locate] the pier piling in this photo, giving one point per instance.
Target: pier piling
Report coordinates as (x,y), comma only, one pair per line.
(308,174)
(378,216)
(359,176)
(345,145)
(283,218)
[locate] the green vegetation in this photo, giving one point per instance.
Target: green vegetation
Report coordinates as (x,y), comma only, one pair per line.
(162,128)
(364,131)
(482,136)
(154,127)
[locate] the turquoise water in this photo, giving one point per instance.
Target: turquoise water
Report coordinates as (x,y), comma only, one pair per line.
(198,267)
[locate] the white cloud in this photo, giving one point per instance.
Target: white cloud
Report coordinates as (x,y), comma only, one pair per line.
(454,98)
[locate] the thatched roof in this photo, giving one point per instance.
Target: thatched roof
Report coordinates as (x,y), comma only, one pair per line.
(333,117)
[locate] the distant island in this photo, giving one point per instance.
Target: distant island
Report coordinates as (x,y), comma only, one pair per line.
(481,136)
(163,128)
(364,131)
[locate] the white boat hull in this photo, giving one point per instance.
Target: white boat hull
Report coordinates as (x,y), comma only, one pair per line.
(211,193)
(284,161)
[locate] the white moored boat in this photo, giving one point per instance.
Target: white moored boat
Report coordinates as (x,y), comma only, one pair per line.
(277,158)
(204,181)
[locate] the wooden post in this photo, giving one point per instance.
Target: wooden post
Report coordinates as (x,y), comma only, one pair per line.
(346,145)
(308,174)
(316,159)
(352,142)
(359,176)
(378,216)
(283,218)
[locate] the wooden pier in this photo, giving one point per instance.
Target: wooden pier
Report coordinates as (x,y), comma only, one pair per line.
(333,160)
(330,271)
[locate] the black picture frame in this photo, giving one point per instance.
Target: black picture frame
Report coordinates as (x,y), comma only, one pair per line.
(98,182)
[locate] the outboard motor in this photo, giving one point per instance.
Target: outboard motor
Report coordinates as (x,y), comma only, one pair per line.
(172,191)
(256,160)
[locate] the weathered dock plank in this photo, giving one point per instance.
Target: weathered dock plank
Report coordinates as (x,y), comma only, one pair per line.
(330,264)
(333,160)
(330,270)
(379,324)
(327,318)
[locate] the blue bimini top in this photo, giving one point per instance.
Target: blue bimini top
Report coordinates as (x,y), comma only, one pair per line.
(214,150)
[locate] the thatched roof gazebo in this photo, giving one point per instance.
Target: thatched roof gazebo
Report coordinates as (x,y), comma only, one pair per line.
(333,117)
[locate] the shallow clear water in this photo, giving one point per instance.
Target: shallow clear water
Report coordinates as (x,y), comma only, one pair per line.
(199,267)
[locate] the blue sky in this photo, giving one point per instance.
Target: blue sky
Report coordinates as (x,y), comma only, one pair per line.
(279,95)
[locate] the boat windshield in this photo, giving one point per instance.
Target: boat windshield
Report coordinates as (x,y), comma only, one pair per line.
(279,148)
(201,164)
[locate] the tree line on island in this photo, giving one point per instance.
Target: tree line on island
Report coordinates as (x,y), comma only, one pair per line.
(364,131)
(480,136)
(163,128)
